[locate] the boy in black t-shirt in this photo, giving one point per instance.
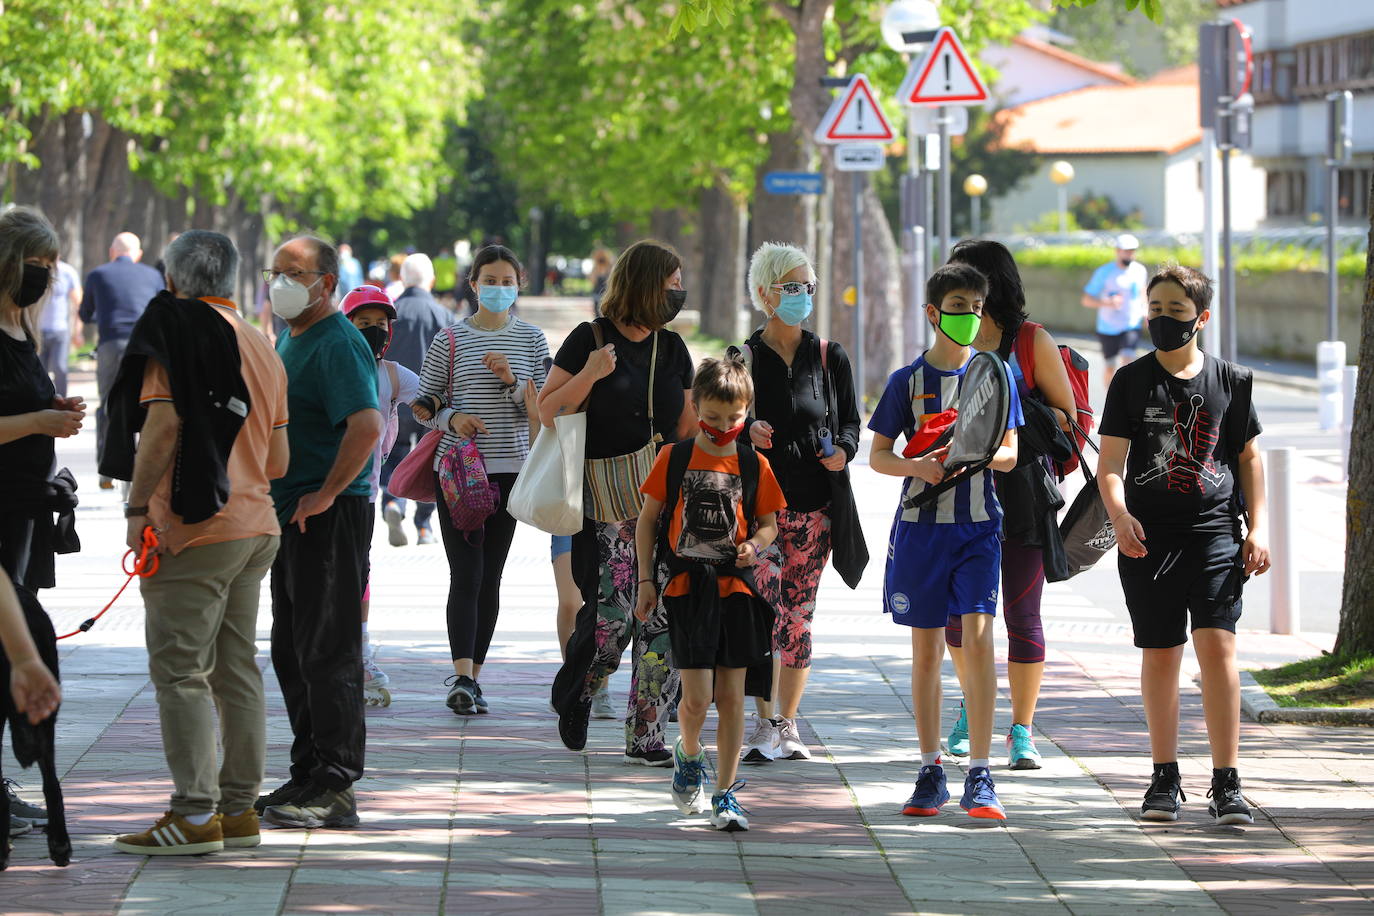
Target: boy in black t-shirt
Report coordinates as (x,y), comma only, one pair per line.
(1179,468)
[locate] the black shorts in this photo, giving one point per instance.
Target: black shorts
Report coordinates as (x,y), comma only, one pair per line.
(1114,344)
(744,637)
(1199,575)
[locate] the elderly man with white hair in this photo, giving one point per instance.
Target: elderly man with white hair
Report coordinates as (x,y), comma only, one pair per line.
(418,318)
(116,295)
(207,394)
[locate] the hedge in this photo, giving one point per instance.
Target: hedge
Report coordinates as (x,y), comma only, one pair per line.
(1082,258)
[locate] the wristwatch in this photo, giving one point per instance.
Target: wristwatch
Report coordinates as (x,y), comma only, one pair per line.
(135,511)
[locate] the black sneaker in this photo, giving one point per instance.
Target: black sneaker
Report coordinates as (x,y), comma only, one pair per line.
(316,807)
(283,795)
(662,757)
(462,695)
(1228,805)
(1162,798)
(482,707)
(572,725)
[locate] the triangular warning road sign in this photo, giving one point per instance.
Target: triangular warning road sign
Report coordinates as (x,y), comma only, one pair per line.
(855,115)
(943,76)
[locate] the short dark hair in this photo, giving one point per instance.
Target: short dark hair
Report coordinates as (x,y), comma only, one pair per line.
(635,291)
(1195,284)
(1005,299)
(955,275)
(725,380)
(490,254)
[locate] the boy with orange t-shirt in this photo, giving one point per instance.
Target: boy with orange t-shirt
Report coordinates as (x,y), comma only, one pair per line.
(721,499)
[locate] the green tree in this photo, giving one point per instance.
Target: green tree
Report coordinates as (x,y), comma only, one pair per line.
(1112,32)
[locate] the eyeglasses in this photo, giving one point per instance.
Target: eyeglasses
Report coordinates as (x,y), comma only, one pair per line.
(796,289)
(269,275)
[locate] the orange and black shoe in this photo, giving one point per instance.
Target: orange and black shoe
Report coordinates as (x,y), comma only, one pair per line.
(980,796)
(930,794)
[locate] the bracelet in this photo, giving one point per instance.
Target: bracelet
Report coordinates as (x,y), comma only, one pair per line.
(135,511)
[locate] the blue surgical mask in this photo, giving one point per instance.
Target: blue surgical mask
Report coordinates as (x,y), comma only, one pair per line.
(497,298)
(793,310)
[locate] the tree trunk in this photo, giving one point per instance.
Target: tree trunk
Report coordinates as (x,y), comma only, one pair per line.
(721,286)
(1355,635)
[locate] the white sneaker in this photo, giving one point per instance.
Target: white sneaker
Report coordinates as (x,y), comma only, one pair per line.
(762,744)
(373,676)
(790,745)
(395,535)
(601,702)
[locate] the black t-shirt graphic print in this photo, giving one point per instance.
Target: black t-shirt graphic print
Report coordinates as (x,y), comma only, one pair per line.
(1180,475)
(710,512)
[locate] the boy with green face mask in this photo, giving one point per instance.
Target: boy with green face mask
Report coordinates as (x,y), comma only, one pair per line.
(944,557)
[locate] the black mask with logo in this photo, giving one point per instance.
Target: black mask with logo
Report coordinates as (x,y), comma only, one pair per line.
(1169,334)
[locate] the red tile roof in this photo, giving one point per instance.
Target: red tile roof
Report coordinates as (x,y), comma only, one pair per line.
(1154,117)
(1069,57)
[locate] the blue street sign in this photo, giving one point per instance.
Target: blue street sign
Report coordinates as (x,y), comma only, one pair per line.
(794,182)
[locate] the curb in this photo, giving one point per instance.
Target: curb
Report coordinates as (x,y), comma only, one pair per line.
(1260,707)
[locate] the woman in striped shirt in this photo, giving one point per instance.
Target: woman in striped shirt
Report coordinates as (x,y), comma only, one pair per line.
(495,374)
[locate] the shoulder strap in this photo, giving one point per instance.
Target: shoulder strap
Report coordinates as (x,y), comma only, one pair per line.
(395,383)
(598,335)
(749,479)
(1238,413)
(654,435)
(678,459)
(1025,350)
(452,359)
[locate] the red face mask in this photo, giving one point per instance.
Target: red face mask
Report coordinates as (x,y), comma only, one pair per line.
(719,437)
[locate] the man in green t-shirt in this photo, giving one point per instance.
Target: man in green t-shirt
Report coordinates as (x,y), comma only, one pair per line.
(323,505)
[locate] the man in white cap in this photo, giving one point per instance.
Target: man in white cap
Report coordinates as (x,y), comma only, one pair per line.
(1117,291)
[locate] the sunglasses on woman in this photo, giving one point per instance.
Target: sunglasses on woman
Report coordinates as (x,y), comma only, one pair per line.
(796,289)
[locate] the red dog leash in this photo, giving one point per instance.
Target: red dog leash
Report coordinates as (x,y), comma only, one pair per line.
(145,565)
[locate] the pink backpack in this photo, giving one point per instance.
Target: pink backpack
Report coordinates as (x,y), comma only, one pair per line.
(468,492)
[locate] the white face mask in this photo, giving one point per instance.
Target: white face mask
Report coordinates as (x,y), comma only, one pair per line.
(290,299)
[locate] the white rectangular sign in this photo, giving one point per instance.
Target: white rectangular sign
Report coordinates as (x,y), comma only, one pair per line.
(927,120)
(858,157)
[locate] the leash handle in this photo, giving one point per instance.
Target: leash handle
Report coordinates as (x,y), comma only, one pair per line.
(145,565)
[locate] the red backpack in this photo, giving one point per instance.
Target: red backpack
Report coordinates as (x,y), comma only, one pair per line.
(1077,368)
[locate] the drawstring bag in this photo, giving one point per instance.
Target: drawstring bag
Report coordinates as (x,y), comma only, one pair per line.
(469,493)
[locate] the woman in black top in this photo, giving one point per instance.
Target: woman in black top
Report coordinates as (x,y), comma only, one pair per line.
(31,414)
(643,294)
(796,376)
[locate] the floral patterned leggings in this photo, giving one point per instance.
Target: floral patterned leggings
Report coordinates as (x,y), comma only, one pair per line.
(789,575)
(653,683)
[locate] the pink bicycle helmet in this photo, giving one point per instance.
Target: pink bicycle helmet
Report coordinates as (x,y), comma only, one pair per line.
(369,297)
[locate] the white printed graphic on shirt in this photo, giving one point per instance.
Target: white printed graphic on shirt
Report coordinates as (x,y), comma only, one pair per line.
(709,513)
(1182,451)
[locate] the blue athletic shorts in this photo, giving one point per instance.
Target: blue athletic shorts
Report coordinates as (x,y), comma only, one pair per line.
(938,571)
(561,544)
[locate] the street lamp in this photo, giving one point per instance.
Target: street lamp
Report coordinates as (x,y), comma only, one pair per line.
(975,186)
(1061,173)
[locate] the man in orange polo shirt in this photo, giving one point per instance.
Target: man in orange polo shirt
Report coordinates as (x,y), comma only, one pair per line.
(202,603)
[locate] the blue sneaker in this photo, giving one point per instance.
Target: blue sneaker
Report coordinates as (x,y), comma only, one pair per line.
(980,796)
(689,773)
(726,813)
(931,792)
(957,743)
(1021,752)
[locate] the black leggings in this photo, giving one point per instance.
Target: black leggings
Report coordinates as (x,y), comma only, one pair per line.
(474,575)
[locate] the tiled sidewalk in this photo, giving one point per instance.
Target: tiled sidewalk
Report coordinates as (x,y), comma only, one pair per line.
(491,814)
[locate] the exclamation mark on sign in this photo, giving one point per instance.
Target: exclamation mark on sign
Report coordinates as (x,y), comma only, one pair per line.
(948,85)
(861,115)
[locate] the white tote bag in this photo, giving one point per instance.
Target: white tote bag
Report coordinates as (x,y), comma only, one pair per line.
(548,492)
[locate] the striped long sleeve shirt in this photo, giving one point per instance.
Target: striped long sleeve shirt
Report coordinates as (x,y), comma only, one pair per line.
(477,391)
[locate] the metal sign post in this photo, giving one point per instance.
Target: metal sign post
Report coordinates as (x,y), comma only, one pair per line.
(1331,351)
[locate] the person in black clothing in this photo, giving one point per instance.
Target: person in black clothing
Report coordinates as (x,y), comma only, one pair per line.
(31,414)
(796,375)
(1180,467)
(611,368)
(116,295)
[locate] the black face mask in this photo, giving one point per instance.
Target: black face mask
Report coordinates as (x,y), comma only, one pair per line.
(377,338)
(676,299)
(32,285)
(1169,334)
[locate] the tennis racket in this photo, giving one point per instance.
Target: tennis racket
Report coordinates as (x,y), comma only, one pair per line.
(984,403)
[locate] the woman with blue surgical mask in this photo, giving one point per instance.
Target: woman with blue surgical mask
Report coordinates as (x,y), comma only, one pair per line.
(796,374)
(479,381)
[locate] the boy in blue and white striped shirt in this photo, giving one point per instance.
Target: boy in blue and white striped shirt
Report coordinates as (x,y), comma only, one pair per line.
(944,558)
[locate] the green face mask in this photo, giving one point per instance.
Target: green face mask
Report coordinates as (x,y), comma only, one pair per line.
(960,327)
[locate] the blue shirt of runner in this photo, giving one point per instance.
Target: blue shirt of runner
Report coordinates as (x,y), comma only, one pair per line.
(1130,283)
